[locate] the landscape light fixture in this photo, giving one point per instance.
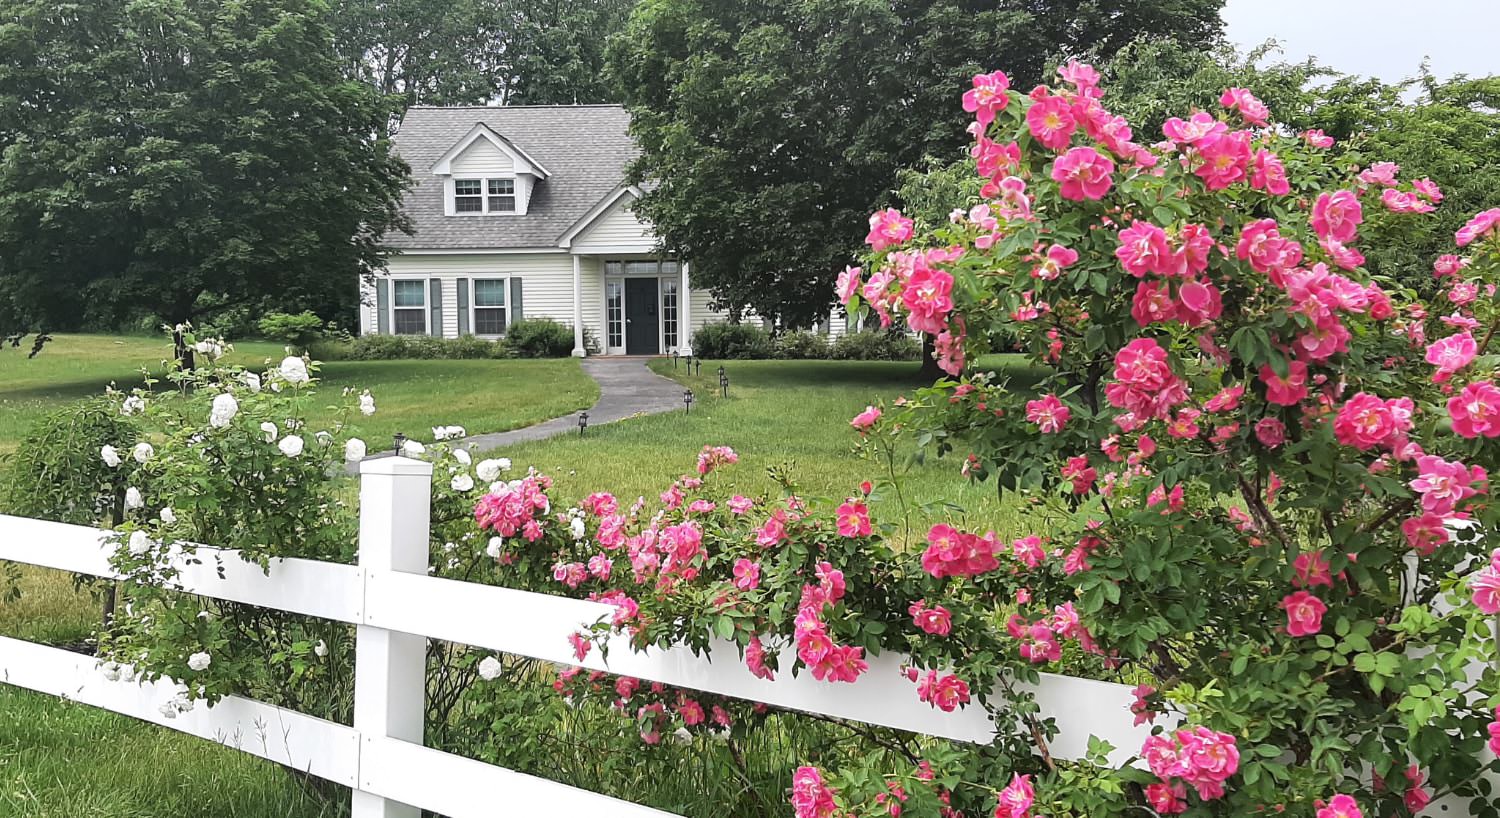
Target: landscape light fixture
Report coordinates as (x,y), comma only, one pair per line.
(698,370)
(400,442)
(723,382)
(583,422)
(687,400)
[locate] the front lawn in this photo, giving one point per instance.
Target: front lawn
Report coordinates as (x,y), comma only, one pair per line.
(413,396)
(792,414)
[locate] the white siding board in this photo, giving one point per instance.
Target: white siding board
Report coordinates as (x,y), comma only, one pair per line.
(614,230)
(368,321)
(482,158)
(450,308)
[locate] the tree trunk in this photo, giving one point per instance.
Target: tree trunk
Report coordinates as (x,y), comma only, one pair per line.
(181,350)
(930,371)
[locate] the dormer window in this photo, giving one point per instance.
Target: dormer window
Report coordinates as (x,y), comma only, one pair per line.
(468,196)
(479,196)
(502,196)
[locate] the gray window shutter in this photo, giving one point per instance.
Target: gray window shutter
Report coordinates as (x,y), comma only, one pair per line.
(382,306)
(463,306)
(517,312)
(435,307)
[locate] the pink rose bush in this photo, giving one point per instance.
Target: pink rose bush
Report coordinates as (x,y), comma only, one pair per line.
(1246,446)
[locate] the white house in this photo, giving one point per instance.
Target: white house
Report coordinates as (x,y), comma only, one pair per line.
(523,212)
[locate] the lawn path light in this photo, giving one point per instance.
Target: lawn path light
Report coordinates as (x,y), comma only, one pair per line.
(687,400)
(675,356)
(583,422)
(400,442)
(698,367)
(723,382)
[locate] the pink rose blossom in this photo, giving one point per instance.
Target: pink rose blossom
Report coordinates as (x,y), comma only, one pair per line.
(853,520)
(1048,413)
(1167,799)
(1341,806)
(1288,390)
(1271,432)
(1478,226)
(1317,138)
(1444,484)
(1476,410)
(1269,174)
(866,419)
(947,693)
(1016,799)
(1051,122)
(1399,201)
(987,97)
(1337,216)
(811,798)
(1140,707)
(1304,613)
(1225,159)
(1486,586)
(1253,110)
(888,227)
(928,300)
(1196,128)
(746,574)
(848,284)
(935,620)
(1425,532)
(1083,173)
(1366,421)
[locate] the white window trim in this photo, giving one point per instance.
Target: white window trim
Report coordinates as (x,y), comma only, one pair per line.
(426,305)
(473,324)
(484,196)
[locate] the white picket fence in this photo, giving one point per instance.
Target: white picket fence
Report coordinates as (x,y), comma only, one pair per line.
(397,607)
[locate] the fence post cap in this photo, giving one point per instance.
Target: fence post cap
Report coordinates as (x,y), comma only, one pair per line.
(395,466)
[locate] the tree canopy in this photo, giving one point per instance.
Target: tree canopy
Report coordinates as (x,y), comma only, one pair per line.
(158,157)
(770,129)
(452,52)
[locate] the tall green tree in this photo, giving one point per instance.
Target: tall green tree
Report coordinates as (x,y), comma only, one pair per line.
(467,52)
(770,129)
(158,157)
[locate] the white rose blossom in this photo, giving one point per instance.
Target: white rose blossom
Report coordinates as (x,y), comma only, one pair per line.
(462,482)
(139,544)
(111,457)
(412,448)
(578,529)
(224,409)
(135,404)
(293,370)
(321,649)
(354,450)
(252,381)
(271,431)
(168,516)
(448,432)
(200,661)
(143,452)
(291,446)
(111,671)
(133,499)
(489,470)
(366,403)
(494,548)
(490,669)
(463,456)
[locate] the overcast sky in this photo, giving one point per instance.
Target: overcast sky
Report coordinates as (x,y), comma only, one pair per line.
(1382,38)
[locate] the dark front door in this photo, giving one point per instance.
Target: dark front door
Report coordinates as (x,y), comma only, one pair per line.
(642,317)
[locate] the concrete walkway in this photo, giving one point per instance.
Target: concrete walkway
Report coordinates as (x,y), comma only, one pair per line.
(627,388)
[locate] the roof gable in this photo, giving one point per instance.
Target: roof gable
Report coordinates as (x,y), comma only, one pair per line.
(523,161)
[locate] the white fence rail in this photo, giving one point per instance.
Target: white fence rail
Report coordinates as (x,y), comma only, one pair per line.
(397,607)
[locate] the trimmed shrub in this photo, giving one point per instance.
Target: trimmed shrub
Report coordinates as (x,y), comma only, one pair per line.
(58,472)
(728,341)
(802,344)
(539,338)
(299,329)
(409,347)
(875,345)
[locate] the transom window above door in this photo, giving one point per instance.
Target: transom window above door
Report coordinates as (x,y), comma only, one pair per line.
(482,196)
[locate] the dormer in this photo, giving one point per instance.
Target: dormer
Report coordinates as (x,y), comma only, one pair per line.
(485,174)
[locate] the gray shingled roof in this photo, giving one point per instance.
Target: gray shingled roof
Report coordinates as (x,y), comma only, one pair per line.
(585,147)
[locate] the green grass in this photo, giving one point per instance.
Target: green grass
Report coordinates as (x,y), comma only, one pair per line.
(412,396)
(778,413)
(63,760)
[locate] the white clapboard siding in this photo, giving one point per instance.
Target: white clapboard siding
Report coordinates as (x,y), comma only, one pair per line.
(482,159)
(616,230)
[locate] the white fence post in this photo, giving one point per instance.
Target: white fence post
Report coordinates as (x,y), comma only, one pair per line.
(390,668)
